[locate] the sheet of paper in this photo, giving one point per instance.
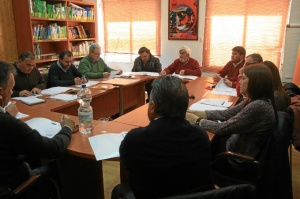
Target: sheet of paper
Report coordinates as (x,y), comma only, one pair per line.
(215,102)
(106,146)
(64,97)
(222,89)
(44,126)
(143,73)
(89,83)
(205,107)
(21,115)
(30,100)
(186,76)
(55,90)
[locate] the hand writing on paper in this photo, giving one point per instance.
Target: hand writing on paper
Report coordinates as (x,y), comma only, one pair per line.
(36,91)
(106,75)
(217,77)
(181,72)
(227,82)
(162,73)
(25,93)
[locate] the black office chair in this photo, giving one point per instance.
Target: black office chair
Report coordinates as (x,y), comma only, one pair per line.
(272,174)
(36,187)
(245,191)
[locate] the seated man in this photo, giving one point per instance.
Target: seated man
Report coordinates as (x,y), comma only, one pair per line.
(64,73)
(18,140)
(28,79)
(146,62)
(93,66)
(185,65)
(169,156)
(231,69)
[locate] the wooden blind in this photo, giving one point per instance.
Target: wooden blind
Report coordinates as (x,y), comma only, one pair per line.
(131,24)
(259,26)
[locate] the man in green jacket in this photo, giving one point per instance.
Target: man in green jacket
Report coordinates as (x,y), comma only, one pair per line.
(93,66)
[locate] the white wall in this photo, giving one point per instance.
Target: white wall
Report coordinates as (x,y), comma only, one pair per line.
(170,47)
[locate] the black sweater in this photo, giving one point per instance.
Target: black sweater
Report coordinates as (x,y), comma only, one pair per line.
(18,139)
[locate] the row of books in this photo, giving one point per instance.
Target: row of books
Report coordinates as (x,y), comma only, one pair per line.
(51,32)
(78,32)
(42,9)
(81,48)
(76,12)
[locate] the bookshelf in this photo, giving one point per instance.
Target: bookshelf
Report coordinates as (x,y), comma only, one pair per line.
(50,26)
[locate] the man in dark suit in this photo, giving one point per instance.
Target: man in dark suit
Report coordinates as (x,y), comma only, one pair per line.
(169,156)
(64,73)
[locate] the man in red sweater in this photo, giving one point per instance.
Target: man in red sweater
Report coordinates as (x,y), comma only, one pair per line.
(230,71)
(185,65)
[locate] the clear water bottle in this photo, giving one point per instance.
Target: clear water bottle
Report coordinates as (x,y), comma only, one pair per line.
(85,111)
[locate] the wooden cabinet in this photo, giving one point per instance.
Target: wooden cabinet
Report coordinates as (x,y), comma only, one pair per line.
(48,27)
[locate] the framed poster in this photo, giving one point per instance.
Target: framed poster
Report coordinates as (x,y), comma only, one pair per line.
(183,19)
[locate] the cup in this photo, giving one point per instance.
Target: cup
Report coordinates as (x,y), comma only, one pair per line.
(103,124)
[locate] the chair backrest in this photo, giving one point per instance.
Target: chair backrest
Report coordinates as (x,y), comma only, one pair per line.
(273,172)
(245,191)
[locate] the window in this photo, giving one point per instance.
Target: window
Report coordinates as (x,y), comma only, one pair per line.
(259,26)
(131,24)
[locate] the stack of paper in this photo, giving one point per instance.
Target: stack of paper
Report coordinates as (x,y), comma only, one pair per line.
(30,100)
(55,90)
(210,104)
(222,89)
(186,76)
(106,146)
(64,97)
(89,83)
(44,126)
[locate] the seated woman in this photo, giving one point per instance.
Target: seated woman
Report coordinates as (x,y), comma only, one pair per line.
(248,123)
(281,98)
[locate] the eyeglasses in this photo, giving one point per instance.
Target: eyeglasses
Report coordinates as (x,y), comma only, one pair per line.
(29,65)
(247,63)
(98,54)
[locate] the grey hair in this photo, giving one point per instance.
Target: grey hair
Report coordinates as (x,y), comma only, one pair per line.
(93,47)
(186,49)
(5,70)
(170,97)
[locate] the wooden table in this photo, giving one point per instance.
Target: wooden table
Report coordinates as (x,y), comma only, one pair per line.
(81,175)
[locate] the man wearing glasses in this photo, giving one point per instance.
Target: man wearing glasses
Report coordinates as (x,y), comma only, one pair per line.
(250,59)
(28,79)
(93,66)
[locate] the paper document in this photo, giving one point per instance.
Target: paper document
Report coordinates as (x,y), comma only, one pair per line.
(64,97)
(222,89)
(186,76)
(106,146)
(55,90)
(30,100)
(89,83)
(210,104)
(44,126)
(143,73)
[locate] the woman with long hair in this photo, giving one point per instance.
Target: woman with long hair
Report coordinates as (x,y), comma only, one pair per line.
(281,98)
(247,124)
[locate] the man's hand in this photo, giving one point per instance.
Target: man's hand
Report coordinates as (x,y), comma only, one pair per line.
(36,91)
(217,77)
(25,93)
(181,72)
(120,72)
(163,73)
(241,71)
(67,121)
(78,81)
(12,109)
(227,82)
(106,75)
(191,117)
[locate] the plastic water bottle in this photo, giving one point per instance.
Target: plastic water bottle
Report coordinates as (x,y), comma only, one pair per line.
(85,111)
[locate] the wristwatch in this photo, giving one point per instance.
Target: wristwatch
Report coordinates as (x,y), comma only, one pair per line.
(198,121)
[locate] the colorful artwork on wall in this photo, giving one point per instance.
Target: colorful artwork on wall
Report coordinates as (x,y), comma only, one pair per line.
(183,19)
